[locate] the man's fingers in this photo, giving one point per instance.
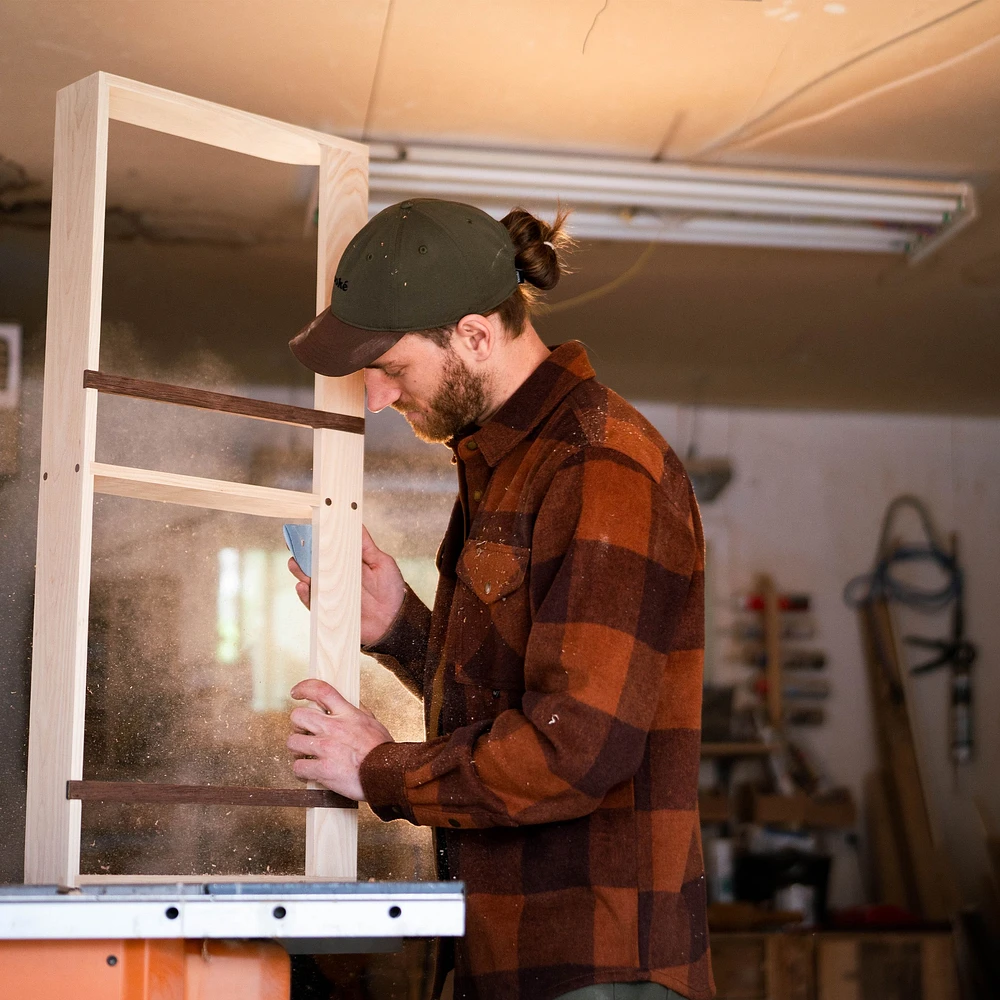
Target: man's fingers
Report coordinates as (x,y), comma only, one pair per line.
(303,585)
(370,552)
(310,720)
(296,570)
(302,744)
(323,694)
(308,769)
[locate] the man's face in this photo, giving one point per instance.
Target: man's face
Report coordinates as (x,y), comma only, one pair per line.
(429,385)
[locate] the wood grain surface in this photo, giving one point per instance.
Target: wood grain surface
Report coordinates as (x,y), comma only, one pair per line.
(206,795)
(215,124)
(338,476)
(65,496)
(210,494)
(260,409)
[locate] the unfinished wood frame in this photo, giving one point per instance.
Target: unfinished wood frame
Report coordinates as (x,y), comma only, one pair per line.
(70,476)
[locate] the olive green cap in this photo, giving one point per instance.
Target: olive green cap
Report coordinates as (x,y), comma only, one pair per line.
(418,265)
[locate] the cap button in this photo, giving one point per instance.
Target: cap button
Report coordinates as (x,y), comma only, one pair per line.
(406,204)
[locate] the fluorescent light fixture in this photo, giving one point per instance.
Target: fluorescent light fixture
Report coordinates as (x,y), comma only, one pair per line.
(627,199)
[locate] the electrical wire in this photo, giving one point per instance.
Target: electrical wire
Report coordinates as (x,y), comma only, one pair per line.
(733,137)
(869,94)
(544,309)
(881,584)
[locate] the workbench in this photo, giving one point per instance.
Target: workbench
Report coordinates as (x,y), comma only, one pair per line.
(152,941)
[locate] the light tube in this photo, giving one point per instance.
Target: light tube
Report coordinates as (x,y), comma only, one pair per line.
(640,200)
(577,188)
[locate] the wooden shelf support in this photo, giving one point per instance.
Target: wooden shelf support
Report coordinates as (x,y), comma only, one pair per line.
(259,409)
(213,494)
(206,795)
(70,476)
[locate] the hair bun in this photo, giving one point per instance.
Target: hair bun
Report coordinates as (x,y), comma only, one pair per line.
(538,246)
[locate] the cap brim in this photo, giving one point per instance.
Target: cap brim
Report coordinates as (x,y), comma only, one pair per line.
(328,346)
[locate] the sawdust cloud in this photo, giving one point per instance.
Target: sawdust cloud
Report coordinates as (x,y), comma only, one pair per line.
(177,692)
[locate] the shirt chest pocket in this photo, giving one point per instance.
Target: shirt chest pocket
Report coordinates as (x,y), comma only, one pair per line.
(491,615)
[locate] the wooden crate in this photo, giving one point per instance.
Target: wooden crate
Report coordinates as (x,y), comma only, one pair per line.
(739,963)
(904,966)
(834,966)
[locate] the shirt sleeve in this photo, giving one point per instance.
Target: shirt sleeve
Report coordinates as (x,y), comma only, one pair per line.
(612,559)
(403,648)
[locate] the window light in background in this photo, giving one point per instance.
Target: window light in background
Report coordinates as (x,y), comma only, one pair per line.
(262,623)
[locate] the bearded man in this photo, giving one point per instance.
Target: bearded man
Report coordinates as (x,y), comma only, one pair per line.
(561,665)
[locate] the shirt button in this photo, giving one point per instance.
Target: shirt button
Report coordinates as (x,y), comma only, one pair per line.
(454,822)
(472,446)
(478,495)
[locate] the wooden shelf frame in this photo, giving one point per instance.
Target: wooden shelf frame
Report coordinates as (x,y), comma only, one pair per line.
(150,792)
(70,476)
(220,402)
(213,494)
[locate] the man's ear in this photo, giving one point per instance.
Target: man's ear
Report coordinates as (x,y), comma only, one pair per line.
(475,338)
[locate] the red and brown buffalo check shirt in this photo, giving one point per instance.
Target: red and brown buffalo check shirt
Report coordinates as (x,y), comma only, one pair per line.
(561,672)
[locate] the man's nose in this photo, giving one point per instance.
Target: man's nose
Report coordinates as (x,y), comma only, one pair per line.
(380,390)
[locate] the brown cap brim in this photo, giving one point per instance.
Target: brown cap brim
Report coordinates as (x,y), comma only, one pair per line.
(328,346)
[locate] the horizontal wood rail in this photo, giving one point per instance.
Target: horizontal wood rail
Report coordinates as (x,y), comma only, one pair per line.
(220,402)
(189,879)
(212,494)
(226,128)
(206,795)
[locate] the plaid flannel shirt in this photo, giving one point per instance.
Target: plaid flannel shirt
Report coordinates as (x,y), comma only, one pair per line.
(561,673)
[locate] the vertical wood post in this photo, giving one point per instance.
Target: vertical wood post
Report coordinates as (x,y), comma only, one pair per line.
(65,517)
(338,471)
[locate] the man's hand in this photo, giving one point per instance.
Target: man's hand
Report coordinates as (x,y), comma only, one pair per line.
(382,589)
(332,740)
(304,585)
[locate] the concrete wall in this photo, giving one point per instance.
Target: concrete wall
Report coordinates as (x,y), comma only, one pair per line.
(806,504)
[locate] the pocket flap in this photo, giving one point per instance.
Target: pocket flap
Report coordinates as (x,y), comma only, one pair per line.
(492,570)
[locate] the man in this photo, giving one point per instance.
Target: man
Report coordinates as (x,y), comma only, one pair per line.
(561,665)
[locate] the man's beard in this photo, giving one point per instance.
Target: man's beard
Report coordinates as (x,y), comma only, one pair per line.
(459,401)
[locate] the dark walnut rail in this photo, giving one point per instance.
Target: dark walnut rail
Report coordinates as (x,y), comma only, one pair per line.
(220,402)
(206,795)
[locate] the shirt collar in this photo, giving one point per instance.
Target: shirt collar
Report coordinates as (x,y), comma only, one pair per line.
(532,402)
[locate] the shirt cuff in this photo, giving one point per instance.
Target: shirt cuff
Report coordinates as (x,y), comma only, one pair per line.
(399,633)
(383,780)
